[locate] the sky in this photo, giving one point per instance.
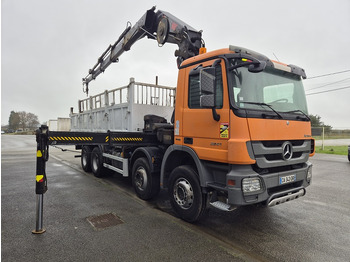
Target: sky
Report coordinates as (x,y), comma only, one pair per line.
(47,47)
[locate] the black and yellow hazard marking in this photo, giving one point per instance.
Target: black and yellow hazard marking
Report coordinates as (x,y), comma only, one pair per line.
(95,138)
(70,138)
(39,178)
(127,139)
(224,130)
(39,154)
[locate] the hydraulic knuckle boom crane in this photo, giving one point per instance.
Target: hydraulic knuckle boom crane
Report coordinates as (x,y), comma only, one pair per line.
(161,26)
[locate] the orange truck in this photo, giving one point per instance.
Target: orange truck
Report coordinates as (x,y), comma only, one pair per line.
(238,135)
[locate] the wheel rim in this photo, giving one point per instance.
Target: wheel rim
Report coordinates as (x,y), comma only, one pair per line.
(141,179)
(183,193)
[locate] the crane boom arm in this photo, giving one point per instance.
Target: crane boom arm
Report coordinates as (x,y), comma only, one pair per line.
(160,25)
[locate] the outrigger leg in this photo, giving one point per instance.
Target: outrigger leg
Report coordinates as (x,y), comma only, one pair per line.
(42,155)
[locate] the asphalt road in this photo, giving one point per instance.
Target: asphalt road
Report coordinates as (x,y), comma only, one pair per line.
(313,228)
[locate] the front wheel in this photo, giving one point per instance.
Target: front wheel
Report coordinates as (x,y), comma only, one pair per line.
(185,194)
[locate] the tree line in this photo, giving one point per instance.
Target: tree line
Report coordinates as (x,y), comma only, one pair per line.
(22,120)
(316,121)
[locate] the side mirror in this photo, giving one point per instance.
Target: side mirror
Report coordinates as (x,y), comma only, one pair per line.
(257,67)
(207,87)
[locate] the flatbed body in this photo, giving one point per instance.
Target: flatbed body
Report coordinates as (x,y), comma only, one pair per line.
(123,108)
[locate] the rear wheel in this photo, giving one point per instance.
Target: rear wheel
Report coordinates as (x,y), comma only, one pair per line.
(86,158)
(185,194)
(145,183)
(97,162)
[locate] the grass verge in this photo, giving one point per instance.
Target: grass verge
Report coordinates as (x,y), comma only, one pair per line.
(326,137)
(335,150)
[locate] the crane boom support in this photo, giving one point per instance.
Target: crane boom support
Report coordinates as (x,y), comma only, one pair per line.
(161,26)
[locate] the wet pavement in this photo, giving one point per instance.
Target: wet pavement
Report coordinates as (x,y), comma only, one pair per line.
(144,233)
(87,218)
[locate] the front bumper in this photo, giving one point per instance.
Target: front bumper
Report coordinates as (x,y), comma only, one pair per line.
(270,192)
(285,196)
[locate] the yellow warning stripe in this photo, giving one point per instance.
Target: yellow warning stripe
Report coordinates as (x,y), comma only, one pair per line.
(127,139)
(70,138)
(82,138)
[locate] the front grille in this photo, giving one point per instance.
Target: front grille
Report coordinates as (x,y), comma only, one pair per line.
(277,169)
(273,157)
(269,154)
(279,143)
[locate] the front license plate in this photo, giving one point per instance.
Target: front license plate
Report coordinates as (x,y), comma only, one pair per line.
(287,179)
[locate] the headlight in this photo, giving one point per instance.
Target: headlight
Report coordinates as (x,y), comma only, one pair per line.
(250,185)
(309,175)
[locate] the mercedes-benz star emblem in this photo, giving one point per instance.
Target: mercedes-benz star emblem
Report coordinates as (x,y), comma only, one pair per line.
(287,150)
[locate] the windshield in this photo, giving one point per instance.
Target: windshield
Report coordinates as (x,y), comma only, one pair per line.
(269,90)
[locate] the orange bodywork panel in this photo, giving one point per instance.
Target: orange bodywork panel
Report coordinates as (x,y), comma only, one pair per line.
(237,145)
(226,140)
(198,125)
(263,129)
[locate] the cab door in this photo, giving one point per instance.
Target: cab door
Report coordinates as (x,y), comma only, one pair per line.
(206,136)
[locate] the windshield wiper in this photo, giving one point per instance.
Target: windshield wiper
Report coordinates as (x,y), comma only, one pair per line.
(300,111)
(264,104)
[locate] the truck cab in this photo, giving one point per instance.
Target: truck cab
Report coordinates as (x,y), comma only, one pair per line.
(241,128)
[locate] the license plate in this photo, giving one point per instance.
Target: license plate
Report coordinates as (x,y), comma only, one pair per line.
(287,179)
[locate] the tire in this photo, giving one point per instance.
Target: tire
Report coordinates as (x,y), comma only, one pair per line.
(86,158)
(185,194)
(146,184)
(97,162)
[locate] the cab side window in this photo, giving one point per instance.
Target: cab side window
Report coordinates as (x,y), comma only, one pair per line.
(194,90)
